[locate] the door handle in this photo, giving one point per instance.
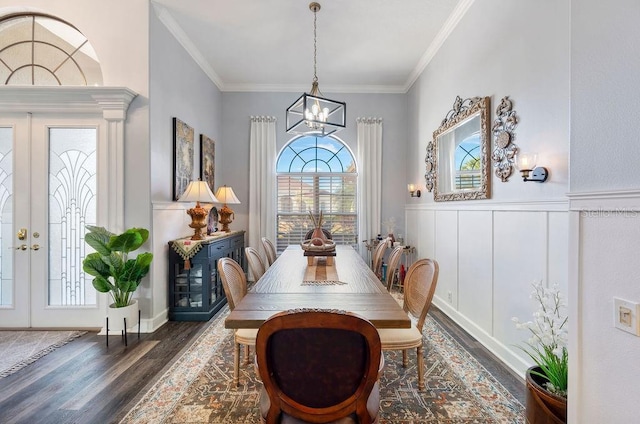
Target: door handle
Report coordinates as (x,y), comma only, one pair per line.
(35,247)
(22,234)
(22,247)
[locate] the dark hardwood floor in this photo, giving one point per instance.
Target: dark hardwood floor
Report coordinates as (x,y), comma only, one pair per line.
(85,382)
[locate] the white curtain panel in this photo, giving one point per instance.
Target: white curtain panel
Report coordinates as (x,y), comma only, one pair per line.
(262,180)
(369,179)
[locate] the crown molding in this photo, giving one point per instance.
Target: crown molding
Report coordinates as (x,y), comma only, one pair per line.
(289,88)
(168,21)
(446,30)
(450,24)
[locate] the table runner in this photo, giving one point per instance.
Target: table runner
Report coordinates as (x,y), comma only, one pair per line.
(321,274)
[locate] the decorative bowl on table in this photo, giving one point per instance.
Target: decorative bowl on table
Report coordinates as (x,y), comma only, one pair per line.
(312,245)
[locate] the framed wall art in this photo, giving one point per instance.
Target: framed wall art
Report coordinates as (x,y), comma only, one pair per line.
(208,161)
(182,157)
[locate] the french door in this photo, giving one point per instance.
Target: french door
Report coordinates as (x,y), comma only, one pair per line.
(48,193)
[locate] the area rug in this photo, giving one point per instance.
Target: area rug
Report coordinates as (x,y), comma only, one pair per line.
(21,348)
(198,387)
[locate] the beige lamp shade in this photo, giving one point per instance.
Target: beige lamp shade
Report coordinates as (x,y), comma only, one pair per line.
(227,196)
(198,191)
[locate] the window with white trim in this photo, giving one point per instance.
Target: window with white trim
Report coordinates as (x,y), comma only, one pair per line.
(40,49)
(316,174)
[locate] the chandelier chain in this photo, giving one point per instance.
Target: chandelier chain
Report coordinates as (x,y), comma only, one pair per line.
(315,48)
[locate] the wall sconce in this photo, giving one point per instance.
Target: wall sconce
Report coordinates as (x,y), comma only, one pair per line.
(526,163)
(412,190)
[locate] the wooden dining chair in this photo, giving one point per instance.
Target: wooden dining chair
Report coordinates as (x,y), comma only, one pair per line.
(256,264)
(394,261)
(419,286)
(269,251)
(378,255)
(234,283)
(318,366)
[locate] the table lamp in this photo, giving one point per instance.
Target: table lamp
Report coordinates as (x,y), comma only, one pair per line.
(198,191)
(226,195)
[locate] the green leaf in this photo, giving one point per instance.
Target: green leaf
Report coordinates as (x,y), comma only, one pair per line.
(129,241)
(115,263)
(98,238)
(102,284)
(94,265)
(126,286)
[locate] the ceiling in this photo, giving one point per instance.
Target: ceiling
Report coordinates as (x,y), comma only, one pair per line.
(376,46)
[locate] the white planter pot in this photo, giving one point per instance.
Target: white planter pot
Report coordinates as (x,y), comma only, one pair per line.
(116,316)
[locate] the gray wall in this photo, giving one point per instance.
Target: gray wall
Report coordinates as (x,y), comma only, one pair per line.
(178,88)
(605,204)
(234,146)
(490,251)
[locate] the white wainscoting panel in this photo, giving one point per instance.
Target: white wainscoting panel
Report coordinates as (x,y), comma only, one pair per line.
(520,249)
(170,221)
(446,253)
(475,271)
(558,252)
(420,227)
(489,254)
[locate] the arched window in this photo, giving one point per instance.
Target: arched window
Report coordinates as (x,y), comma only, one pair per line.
(38,49)
(467,159)
(316,174)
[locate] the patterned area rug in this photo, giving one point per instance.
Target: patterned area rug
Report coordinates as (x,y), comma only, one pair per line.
(21,348)
(198,387)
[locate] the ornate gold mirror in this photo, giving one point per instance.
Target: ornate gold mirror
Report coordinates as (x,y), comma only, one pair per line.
(457,161)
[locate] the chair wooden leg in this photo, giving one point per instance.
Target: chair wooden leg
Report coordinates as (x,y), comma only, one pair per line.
(420,368)
(405,359)
(236,364)
(247,353)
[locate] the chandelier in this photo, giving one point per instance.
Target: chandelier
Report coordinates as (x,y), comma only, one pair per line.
(312,113)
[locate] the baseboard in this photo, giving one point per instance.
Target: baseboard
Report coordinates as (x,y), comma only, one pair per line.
(146,325)
(500,350)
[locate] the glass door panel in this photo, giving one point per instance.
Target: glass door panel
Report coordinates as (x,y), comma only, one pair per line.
(6,217)
(64,179)
(72,206)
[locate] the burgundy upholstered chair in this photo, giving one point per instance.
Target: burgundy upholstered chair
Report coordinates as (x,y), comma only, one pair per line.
(318,366)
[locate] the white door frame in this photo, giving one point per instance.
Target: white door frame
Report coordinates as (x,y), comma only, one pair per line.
(112,104)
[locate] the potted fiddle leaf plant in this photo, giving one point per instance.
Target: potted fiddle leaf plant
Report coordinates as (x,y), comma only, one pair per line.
(115,272)
(546,381)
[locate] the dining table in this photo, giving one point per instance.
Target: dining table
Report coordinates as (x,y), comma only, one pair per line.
(344,283)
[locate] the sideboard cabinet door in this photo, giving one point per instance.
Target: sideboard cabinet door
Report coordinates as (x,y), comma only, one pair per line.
(195,290)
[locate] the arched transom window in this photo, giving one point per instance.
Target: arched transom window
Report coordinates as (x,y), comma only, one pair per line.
(37,49)
(316,174)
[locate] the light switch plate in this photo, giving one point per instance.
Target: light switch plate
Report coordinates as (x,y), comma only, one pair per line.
(626,315)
